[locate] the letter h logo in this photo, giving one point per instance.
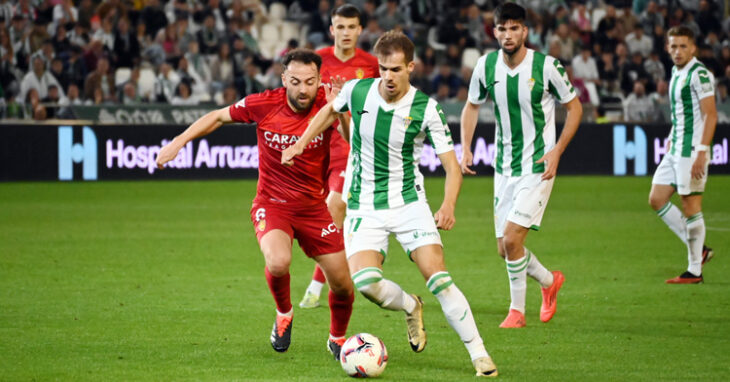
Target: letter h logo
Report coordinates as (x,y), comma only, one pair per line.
(70,153)
(624,150)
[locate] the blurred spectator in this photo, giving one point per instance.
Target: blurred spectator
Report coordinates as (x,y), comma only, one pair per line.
(419,78)
(655,68)
(9,73)
(39,79)
(442,94)
(229,96)
(389,16)
(319,25)
(153,18)
(6,10)
(651,18)
(638,107)
(101,79)
(129,95)
(563,40)
(453,57)
(627,20)
(184,34)
(126,46)
(221,68)
(581,18)
(461,95)
(197,86)
(59,74)
(167,39)
(446,76)
(660,99)
(25,9)
(247,83)
(707,57)
(60,42)
(105,34)
(86,11)
(208,37)
(38,35)
(74,97)
(13,108)
(608,22)
(535,37)
(475,26)
(637,41)
(708,17)
(79,34)
(219,15)
(166,84)
(183,96)
(54,99)
(609,73)
(370,34)
(585,69)
(689,22)
(633,71)
(272,78)
(76,67)
(64,12)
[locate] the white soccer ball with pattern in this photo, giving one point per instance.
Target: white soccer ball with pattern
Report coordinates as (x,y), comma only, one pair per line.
(363,356)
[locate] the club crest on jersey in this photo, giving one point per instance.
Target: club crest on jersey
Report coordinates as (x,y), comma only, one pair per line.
(261,226)
(531,83)
(360,73)
(407,121)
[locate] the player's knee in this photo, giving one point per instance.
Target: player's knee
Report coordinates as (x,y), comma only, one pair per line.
(655,202)
(341,287)
(511,245)
(277,266)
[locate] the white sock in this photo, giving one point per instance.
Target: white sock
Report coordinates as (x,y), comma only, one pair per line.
(385,293)
(517,273)
(695,241)
(537,271)
(315,287)
(672,216)
(457,312)
(290,313)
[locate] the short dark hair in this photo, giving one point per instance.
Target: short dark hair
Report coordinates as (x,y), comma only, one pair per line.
(303,55)
(681,30)
(348,11)
(394,41)
(509,11)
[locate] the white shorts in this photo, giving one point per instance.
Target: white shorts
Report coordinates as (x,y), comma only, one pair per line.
(676,171)
(412,224)
(521,200)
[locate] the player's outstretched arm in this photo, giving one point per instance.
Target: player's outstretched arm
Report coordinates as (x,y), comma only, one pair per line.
(203,126)
(325,117)
(469,117)
(709,110)
(572,121)
(444,217)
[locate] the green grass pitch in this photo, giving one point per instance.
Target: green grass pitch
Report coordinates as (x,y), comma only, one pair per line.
(164,281)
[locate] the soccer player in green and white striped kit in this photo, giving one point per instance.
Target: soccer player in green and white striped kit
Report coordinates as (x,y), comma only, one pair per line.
(523,84)
(385,193)
(684,168)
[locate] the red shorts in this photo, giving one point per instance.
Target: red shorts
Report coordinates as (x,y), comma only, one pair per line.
(312,226)
(336,178)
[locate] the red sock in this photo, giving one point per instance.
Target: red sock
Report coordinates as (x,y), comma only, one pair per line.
(279,287)
(340,312)
(318,274)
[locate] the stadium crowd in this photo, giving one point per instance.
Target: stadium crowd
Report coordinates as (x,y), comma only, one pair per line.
(56,53)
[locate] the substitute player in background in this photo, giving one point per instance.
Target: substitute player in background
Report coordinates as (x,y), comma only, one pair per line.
(684,168)
(290,201)
(523,84)
(343,61)
(385,192)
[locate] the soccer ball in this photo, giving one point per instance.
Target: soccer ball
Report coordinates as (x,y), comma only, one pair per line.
(363,355)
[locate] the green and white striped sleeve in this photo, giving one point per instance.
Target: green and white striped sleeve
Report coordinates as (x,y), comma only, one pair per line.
(558,83)
(703,83)
(341,103)
(478,85)
(434,122)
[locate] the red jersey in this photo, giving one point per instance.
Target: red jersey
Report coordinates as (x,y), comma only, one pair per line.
(361,65)
(302,184)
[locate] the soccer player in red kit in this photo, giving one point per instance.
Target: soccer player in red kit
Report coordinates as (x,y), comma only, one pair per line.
(290,201)
(340,62)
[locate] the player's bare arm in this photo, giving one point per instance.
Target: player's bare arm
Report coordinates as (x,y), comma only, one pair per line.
(709,110)
(203,126)
(325,118)
(331,91)
(469,117)
(572,121)
(444,217)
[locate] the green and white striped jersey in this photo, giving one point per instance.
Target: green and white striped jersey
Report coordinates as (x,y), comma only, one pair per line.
(386,143)
(686,88)
(523,106)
